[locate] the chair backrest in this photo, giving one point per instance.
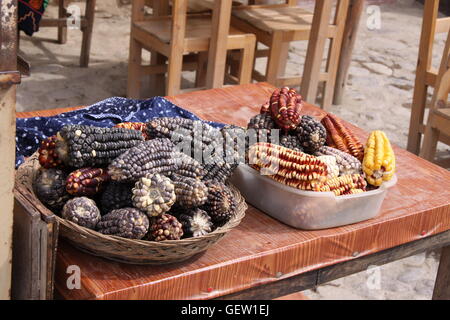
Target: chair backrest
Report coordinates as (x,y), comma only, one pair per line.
(431,26)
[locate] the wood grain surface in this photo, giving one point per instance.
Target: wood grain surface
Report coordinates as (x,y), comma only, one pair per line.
(262,250)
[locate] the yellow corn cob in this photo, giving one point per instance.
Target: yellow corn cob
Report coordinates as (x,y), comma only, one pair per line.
(379,159)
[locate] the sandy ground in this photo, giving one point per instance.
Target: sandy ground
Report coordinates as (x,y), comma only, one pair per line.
(378,96)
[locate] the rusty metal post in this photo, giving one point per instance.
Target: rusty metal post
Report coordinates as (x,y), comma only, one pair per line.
(8,78)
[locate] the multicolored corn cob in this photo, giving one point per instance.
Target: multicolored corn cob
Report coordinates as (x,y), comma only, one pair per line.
(341,137)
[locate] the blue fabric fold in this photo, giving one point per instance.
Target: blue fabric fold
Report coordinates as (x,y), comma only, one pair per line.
(107,113)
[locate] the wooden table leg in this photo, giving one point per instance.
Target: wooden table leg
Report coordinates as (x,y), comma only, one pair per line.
(442,285)
(87,33)
(218,44)
(348,43)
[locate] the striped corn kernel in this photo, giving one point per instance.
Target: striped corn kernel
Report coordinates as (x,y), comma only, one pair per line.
(341,137)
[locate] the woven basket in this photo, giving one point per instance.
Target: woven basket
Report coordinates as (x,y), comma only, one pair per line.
(129,250)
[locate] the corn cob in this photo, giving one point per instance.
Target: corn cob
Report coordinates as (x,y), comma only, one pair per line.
(86,181)
(354,191)
(196,222)
(262,121)
(379,159)
(187,166)
(82,146)
(344,184)
(164,227)
(287,166)
(192,136)
(49,186)
(311,134)
(125,222)
(154,194)
(82,211)
(220,205)
(285,106)
(189,192)
(116,196)
(333,168)
(152,156)
(341,137)
(291,142)
(139,126)
(347,163)
(48,158)
(235,142)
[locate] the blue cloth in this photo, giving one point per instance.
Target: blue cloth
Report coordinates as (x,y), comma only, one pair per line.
(107,113)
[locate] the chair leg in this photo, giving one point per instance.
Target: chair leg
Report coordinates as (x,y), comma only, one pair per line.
(334,52)
(174,73)
(87,33)
(200,74)
(430,141)
(134,65)
(247,59)
(416,120)
(157,81)
(275,56)
(62,31)
(314,53)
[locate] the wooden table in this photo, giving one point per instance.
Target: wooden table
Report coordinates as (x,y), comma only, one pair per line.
(263,258)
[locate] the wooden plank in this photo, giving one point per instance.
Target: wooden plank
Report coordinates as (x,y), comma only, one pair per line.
(442,285)
(443,25)
(34,252)
(217,56)
(59,22)
(403,251)
(348,44)
(276,289)
(8,62)
(25,275)
(320,276)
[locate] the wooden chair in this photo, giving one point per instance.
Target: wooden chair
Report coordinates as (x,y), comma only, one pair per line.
(438,122)
(86,24)
(277,25)
(177,37)
(426,75)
